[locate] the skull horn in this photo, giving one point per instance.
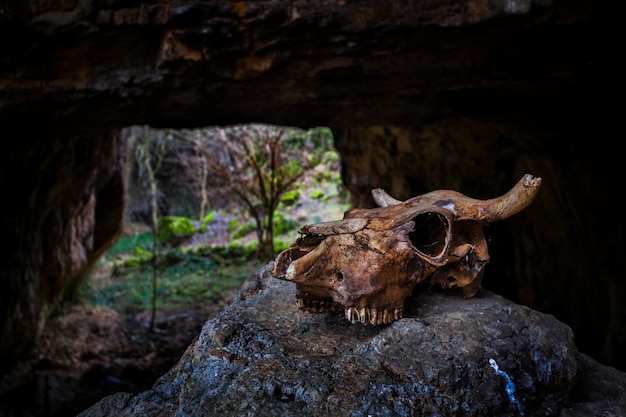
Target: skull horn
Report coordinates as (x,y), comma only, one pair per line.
(383,199)
(516,200)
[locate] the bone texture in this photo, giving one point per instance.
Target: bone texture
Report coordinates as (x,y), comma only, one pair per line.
(369,263)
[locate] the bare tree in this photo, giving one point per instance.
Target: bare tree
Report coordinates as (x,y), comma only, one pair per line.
(258,164)
(149,151)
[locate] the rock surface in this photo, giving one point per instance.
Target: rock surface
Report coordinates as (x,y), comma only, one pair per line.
(302,63)
(449,356)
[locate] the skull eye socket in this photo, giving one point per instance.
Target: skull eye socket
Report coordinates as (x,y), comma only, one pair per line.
(430,234)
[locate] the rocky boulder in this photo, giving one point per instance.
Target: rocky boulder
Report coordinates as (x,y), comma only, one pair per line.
(449,356)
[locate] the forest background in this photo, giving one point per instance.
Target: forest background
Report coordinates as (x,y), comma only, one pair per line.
(207,207)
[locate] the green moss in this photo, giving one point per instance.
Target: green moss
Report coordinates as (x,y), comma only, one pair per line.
(172,228)
(245,229)
(208,218)
(290,197)
(317,194)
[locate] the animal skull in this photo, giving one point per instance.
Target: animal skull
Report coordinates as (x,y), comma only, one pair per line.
(368,263)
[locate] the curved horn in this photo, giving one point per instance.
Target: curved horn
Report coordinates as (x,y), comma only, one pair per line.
(516,200)
(383,199)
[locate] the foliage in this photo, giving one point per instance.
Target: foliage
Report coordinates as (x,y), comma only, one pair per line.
(260,164)
(317,194)
(277,175)
(281,244)
(208,218)
(233,225)
(290,197)
(129,243)
(283,224)
(185,279)
(172,229)
(241,231)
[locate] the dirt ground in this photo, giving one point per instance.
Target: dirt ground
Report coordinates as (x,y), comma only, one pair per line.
(90,352)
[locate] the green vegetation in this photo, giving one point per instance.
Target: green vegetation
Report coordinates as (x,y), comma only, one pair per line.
(186,278)
(174,228)
(129,243)
(174,262)
(261,166)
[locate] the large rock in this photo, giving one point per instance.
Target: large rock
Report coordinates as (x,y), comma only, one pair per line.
(454,357)
(294,62)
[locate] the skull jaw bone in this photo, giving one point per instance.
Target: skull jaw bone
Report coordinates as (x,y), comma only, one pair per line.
(374,309)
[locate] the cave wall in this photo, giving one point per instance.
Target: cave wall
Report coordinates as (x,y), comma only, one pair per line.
(422,94)
(299,63)
(63,202)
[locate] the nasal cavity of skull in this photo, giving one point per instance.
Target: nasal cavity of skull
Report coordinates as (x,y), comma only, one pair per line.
(429,234)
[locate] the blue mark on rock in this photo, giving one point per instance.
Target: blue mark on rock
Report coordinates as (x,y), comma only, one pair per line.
(510,386)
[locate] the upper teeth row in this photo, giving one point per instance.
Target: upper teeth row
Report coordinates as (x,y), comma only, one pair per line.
(371,315)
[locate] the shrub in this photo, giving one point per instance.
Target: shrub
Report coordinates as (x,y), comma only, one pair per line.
(173,229)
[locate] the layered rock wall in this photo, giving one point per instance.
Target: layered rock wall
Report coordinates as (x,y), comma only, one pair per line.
(302,63)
